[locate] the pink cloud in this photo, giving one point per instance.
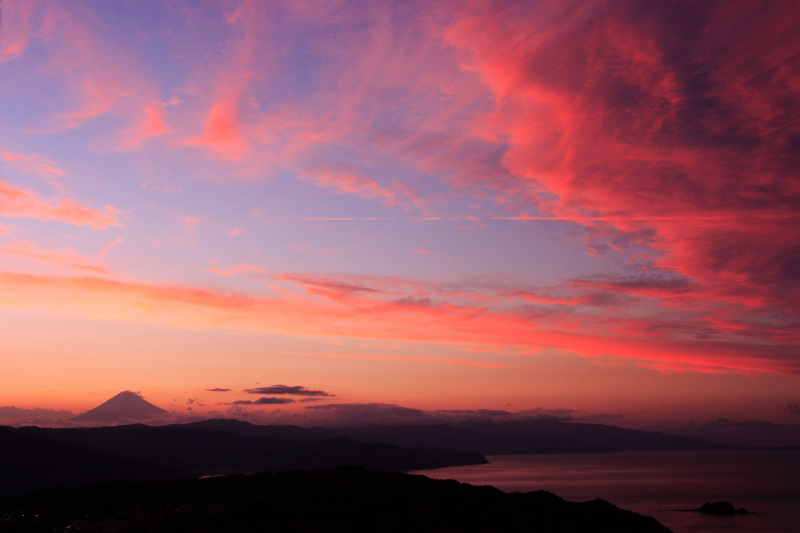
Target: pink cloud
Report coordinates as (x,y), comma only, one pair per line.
(64,258)
(165,188)
(236,270)
(344,219)
(97,76)
(151,125)
(113,244)
(16,28)
(382,90)
(32,164)
(246,107)
(225,130)
(190,223)
(363,186)
(222,130)
(422,251)
(21,203)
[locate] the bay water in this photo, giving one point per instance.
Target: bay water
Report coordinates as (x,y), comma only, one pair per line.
(659,484)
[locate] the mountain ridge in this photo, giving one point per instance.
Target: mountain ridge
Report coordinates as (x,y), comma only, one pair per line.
(489,438)
(212,452)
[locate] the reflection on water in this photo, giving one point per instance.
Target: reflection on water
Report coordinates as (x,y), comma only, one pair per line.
(659,483)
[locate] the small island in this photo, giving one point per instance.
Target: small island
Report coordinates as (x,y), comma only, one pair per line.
(719,509)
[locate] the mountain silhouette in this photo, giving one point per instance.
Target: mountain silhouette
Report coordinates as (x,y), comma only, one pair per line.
(125,406)
(489,438)
(211,452)
(31,462)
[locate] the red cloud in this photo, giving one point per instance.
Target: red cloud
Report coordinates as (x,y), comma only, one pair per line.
(663,125)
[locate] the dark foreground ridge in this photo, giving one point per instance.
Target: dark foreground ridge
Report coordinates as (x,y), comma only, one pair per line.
(337,499)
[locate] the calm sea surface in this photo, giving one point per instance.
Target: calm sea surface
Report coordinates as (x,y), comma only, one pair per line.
(658,483)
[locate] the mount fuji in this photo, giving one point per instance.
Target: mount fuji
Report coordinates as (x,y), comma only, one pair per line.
(124,407)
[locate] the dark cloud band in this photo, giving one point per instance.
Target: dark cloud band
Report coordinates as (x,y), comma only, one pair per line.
(295,390)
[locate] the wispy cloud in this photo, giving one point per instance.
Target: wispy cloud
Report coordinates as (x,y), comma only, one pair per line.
(16,29)
(359,184)
(16,202)
(345,219)
(98,77)
(422,251)
(235,270)
(411,358)
(225,131)
(32,164)
(64,258)
(151,124)
(369,315)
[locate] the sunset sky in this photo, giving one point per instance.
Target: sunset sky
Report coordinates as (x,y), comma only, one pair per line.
(582,207)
